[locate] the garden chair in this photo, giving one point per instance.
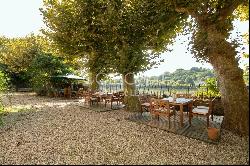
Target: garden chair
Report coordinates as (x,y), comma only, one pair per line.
(67,92)
(80,93)
(121,96)
(145,103)
(90,99)
(118,98)
(159,108)
(110,98)
(204,108)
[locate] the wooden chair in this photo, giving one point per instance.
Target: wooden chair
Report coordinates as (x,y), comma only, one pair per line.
(55,93)
(145,103)
(67,92)
(202,107)
(90,99)
(118,97)
(80,93)
(159,107)
(121,96)
(110,98)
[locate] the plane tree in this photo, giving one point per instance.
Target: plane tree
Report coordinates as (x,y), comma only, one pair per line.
(212,24)
(112,36)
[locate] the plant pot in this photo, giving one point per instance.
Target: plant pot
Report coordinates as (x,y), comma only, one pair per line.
(213,133)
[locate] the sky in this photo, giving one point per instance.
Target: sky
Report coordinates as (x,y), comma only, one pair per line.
(19,18)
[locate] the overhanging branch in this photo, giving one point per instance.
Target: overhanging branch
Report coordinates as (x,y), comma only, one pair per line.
(188,10)
(181,9)
(229,7)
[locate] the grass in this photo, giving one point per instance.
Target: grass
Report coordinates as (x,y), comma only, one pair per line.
(6,111)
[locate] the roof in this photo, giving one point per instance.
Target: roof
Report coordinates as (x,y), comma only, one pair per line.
(71,76)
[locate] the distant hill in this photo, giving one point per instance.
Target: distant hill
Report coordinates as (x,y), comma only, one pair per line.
(194,76)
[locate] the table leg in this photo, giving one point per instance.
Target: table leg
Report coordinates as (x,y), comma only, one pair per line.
(190,108)
(181,115)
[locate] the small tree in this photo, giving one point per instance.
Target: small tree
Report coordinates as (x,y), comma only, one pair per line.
(42,68)
(16,55)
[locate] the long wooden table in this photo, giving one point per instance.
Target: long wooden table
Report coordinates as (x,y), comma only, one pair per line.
(181,104)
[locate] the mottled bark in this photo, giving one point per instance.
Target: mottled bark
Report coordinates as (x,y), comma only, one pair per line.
(93,82)
(131,100)
(235,97)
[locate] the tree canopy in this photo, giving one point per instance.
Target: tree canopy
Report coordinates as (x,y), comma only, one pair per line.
(30,61)
(124,36)
(212,24)
(112,35)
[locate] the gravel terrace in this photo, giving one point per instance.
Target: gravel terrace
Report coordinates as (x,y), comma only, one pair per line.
(59,131)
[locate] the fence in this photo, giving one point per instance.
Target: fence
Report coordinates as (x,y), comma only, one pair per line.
(157,90)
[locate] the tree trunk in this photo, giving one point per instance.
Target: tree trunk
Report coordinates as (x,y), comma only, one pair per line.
(131,100)
(93,82)
(233,90)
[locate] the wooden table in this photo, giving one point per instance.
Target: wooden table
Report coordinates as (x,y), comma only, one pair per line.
(181,104)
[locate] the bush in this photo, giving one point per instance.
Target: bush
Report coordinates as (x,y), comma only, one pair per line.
(3,87)
(3,82)
(42,68)
(209,89)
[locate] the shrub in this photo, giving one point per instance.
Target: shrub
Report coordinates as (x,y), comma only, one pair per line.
(42,68)
(209,89)
(3,81)
(3,87)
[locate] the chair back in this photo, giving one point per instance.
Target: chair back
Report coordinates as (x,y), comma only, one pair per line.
(109,96)
(183,95)
(153,103)
(121,93)
(87,95)
(67,92)
(80,92)
(159,105)
(115,96)
(144,99)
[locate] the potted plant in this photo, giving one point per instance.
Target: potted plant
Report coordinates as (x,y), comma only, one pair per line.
(213,133)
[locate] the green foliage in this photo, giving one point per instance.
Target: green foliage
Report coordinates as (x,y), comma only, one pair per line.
(79,29)
(242,12)
(42,68)
(29,61)
(185,77)
(210,24)
(246,74)
(3,81)
(112,36)
(209,89)
(3,87)
(16,55)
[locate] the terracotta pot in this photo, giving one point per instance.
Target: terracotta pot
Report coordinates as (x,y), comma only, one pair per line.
(213,133)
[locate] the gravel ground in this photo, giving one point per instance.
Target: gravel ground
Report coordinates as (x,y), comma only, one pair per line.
(59,131)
